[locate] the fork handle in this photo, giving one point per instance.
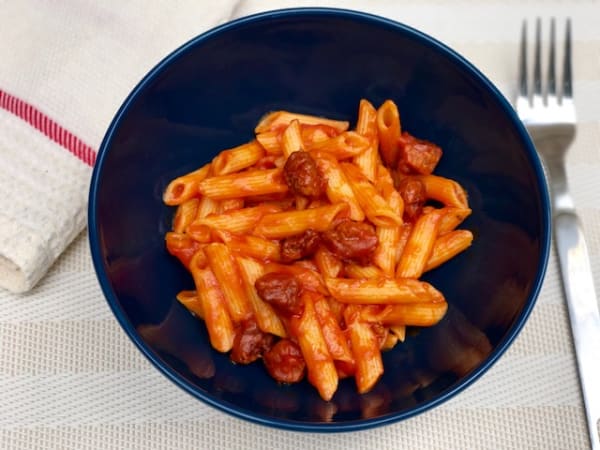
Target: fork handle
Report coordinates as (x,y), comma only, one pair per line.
(579,290)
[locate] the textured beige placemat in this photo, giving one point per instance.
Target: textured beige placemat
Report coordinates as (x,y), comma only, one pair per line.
(69,378)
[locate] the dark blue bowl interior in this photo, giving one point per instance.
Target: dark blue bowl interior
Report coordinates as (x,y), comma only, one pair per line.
(208,96)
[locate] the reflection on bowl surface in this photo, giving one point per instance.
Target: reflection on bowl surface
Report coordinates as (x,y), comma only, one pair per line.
(209,94)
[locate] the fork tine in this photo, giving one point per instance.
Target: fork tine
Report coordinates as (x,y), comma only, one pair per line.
(567,85)
(537,64)
(551,63)
(523,62)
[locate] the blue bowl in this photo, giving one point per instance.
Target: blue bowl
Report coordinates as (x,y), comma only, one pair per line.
(209,94)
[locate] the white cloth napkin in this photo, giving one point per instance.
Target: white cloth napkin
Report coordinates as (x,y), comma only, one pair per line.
(66,67)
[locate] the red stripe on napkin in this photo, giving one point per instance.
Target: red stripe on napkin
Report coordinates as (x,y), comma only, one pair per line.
(49,127)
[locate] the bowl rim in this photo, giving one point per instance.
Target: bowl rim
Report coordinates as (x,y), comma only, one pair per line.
(282,423)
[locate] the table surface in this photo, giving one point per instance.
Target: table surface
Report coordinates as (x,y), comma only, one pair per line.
(70,378)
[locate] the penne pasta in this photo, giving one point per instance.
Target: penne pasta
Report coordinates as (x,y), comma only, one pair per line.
(377,210)
(385,186)
(366,126)
(270,141)
(448,246)
(405,231)
(280,225)
(313,134)
(384,182)
(367,162)
(366,351)
(266,318)
(452,218)
(238,221)
(366,123)
(338,188)
(243,184)
(419,246)
(357,271)
(225,268)
(185,215)
(238,158)
(414,314)
(182,246)
(371,313)
(322,373)
(344,146)
(185,187)
(385,252)
(327,263)
(399,331)
(249,245)
(444,190)
(336,308)
(427,209)
(291,139)
(191,301)
(389,342)
(206,207)
(382,291)
(230,205)
(394,199)
(332,333)
(281,119)
(250,268)
(270,162)
(221,332)
(388,128)
(199,232)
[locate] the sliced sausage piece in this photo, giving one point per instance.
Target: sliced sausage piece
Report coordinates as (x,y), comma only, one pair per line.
(302,175)
(284,362)
(351,240)
(250,343)
(300,246)
(417,155)
(280,290)
(412,191)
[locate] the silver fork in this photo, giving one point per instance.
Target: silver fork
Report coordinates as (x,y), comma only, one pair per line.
(550,120)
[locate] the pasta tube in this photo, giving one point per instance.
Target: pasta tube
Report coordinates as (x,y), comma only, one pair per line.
(382,291)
